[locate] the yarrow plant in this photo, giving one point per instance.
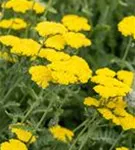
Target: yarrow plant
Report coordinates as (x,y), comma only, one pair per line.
(62,84)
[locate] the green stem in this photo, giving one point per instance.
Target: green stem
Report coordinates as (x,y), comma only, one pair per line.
(127,49)
(44,115)
(47,7)
(11,89)
(81,125)
(87,123)
(32,106)
(117,140)
(79,135)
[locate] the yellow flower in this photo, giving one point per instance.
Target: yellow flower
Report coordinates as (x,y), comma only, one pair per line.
(107,114)
(22,134)
(105,72)
(116,102)
(126,77)
(6,56)
(15,23)
(76,40)
(106,80)
(56,42)
(73,70)
(46,28)
(27,47)
(52,55)
(111,91)
(61,133)
(13,145)
(24,5)
(41,75)
(126,26)
(89,101)
(76,23)
(122,148)
(125,117)
(9,40)
(37,7)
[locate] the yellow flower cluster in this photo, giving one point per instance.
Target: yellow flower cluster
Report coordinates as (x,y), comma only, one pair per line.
(56,41)
(60,36)
(9,40)
(27,47)
(112,87)
(46,28)
(106,80)
(122,148)
(22,134)
(24,5)
(61,133)
(15,24)
(41,75)
(13,144)
(126,77)
(21,46)
(76,23)
(76,40)
(113,109)
(52,55)
(72,70)
(126,26)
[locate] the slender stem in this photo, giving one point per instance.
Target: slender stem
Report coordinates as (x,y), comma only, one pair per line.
(48,6)
(44,115)
(79,135)
(32,106)
(117,140)
(85,140)
(11,89)
(82,131)
(127,49)
(81,125)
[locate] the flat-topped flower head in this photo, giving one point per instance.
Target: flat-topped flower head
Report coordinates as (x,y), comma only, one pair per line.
(22,6)
(9,40)
(76,40)
(52,55)
(22,133)
(108,85)
(13,144)
(46,28)
(127,26)
(26,47)
(13,23)
(41,75)
(126,77)
(61,133)
(105,72)
(114,110)
(56,41)
(76,23)
(72,71)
